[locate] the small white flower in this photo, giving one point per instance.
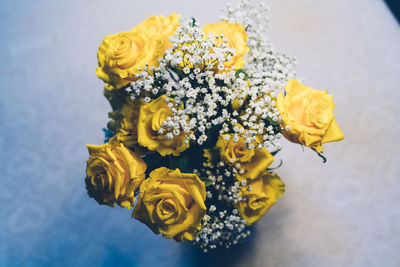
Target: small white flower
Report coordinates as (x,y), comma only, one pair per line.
(169,136)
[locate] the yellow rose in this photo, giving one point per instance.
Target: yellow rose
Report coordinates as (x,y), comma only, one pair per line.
(125,116)
(113,174)
(127,133)
(252,161)
(125,122)
(171,203)
(264,191)
(237,37)
(122,54)
(160,27)
(309,115)
(151,117)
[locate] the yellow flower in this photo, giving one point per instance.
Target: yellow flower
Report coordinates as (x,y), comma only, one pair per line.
(237,37)
(113,174)
(122,54)
(125,116)
(171,203)
(125,122)
(252,161)
(151,117)
(265,189)
(309,115)
(237,103)
(160,27)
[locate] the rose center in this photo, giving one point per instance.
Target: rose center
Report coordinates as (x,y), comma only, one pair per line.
(99,180)
(241,153)
(121,44)
(257,203)
(322,116)
(168,208)
(159,117)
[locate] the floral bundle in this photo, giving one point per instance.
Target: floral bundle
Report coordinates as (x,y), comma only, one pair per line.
(197,113)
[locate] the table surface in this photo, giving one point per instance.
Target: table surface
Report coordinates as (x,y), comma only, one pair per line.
(342,213)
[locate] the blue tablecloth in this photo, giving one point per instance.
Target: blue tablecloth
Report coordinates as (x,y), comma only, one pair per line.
(342,213)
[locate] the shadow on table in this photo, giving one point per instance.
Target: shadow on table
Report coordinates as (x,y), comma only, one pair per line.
(394,6)
(194,257)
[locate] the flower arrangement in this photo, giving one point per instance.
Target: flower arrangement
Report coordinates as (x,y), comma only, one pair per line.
(197,114)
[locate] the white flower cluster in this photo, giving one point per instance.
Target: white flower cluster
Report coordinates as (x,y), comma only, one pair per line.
(202,97)
(222,226)
(265,65)
(199,96)
(268,70)
(191,49)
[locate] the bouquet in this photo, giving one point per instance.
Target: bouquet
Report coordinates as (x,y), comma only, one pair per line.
(197,114)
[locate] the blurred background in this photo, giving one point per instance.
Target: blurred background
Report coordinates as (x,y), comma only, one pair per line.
(342,213)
